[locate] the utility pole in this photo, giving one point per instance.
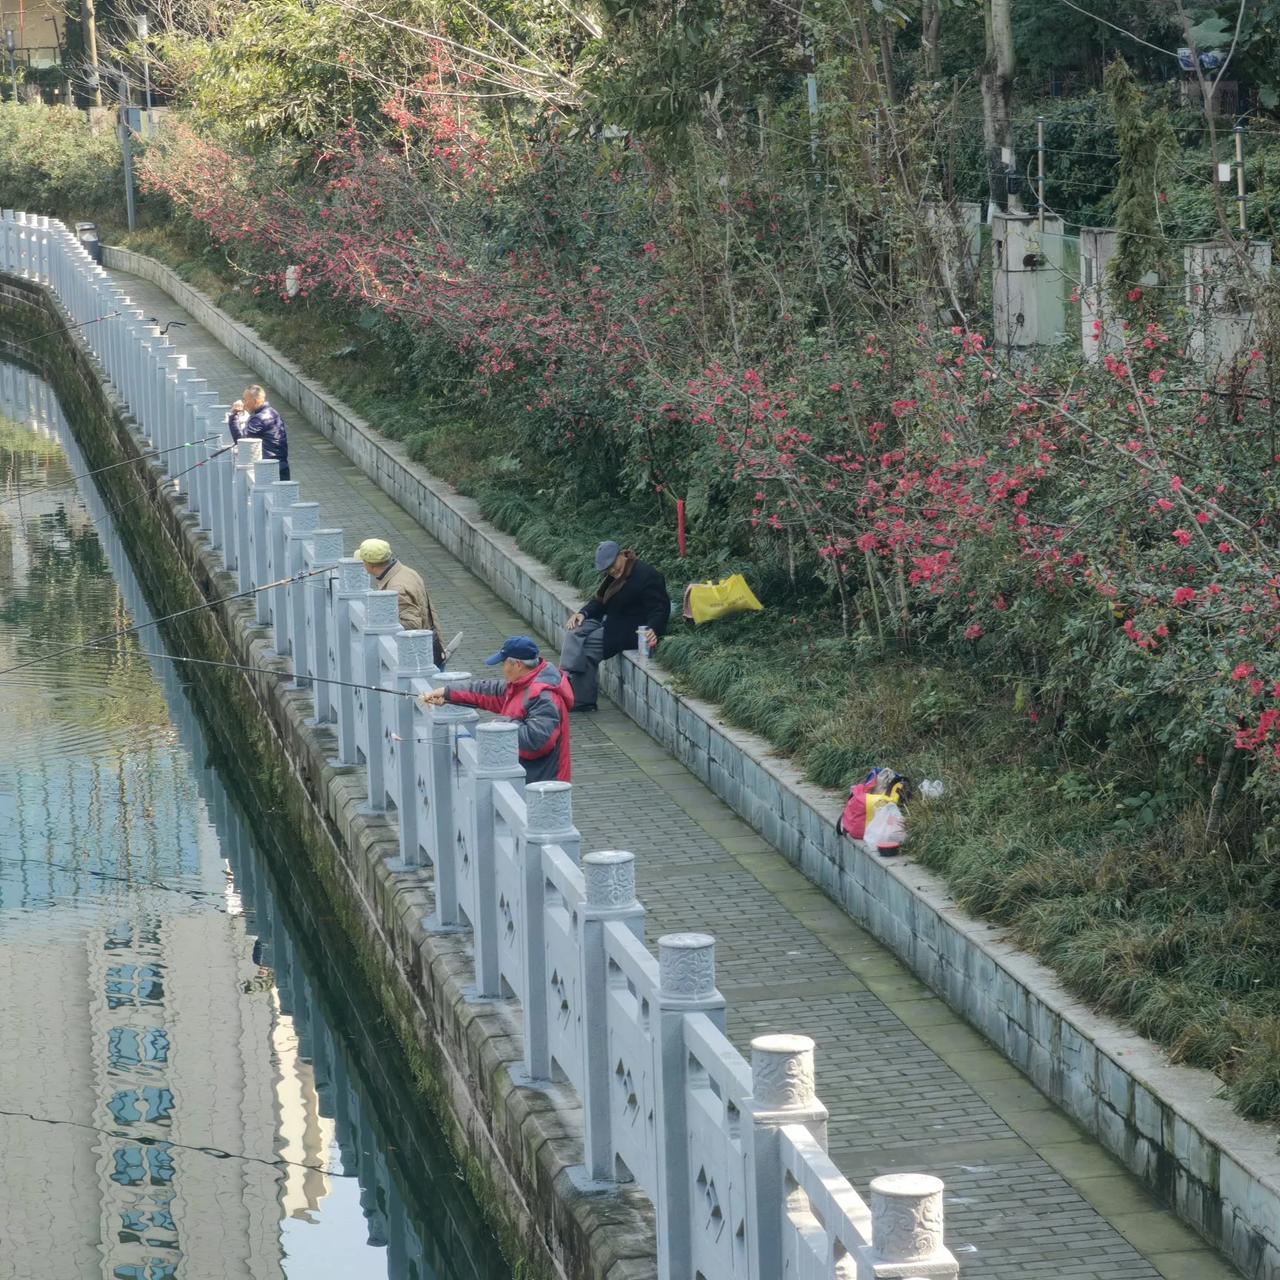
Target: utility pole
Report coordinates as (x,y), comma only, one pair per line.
(1040,172)
(143,32)
(89,19)
(126,151)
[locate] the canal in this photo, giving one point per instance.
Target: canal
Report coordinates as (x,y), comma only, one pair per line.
(193,1080)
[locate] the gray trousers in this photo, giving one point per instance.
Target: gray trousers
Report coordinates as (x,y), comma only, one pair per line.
(580,658)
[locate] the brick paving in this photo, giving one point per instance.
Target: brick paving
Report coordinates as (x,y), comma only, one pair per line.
(907,1083)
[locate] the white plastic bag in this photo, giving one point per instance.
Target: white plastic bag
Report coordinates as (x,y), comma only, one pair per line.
(888,829)
(932,789)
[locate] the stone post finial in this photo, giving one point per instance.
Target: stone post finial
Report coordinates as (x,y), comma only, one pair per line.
(906,1218)
(548,808)
(782,1072)
(266,471)
(413,652)
(687,965)
(610,875)
(303,516)
(352,577)
(248,452)
(498,745)
(326,546)
(381,609)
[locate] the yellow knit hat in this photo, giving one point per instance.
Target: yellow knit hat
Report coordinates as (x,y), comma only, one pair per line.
(374,551)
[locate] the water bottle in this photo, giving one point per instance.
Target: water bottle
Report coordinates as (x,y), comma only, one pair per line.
(642,641)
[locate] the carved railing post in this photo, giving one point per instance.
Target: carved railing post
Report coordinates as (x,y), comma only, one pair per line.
(906,1229)
(381,618)
(322,552)
(413,664)
(303,519)
(284,493)
(266,475)
(248,453)
(497,758)
(352,583)
(446,798)
(548,820)
(610,877)
(783,1090)
(687,984)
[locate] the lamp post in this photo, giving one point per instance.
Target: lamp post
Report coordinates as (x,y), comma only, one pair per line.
(143,32)
(11,45)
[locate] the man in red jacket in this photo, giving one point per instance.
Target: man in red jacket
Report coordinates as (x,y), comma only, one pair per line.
(534,694)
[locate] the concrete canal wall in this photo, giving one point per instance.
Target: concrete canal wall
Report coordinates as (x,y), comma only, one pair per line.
(1165,1122)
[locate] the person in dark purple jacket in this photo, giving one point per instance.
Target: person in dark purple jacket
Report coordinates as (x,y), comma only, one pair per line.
(264,424)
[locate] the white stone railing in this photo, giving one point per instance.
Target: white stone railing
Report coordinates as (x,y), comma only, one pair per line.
(733,1156)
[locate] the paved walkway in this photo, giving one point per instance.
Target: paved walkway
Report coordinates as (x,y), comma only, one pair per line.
(908,1084)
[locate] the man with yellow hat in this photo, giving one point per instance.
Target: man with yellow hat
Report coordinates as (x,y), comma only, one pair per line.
(388,574)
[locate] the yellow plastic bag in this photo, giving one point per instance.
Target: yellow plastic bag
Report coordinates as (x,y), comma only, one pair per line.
(706,601)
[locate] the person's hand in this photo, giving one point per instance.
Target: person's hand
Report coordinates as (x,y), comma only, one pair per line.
(651,637)
(435,698)
(575,620)
(237,406)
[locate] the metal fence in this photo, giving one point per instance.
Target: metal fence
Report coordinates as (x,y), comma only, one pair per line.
(732,1155)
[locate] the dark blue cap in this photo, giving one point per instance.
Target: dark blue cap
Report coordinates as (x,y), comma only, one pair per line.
(516,647)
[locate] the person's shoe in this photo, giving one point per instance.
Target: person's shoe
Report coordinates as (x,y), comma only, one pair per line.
(584,706)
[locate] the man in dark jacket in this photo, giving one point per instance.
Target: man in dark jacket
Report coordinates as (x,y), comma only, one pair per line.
(631,595)
(535,695)
(263,423)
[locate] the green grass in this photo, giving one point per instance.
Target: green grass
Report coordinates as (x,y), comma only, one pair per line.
(1060,841)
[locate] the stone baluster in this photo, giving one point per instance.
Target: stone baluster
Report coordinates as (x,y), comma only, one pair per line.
(610,877)
(687,984)
(548,821)
(303,519)
(284,493)
(352,584)
(783,1092)
(906,1228)
(323,552)
(381,618)
(413,663)
(497,759)
(247,454)
(263,474)
(448,826)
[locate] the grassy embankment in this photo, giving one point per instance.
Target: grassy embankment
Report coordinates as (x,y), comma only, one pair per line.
(1082,853)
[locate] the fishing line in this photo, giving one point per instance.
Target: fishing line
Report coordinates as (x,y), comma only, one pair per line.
(143,626)
(85,475)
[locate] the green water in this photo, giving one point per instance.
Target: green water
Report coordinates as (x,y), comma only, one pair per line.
(192,1082)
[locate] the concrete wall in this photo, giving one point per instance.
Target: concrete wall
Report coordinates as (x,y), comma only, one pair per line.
(1166,1123)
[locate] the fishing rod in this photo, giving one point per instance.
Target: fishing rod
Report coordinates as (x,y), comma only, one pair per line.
(66,328)
(85,475)
(166,480)
(269,671)
(169,617)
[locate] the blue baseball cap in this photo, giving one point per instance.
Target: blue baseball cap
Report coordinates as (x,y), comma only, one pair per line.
(515,647)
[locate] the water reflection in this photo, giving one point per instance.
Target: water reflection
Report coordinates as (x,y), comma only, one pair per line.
(185,1090)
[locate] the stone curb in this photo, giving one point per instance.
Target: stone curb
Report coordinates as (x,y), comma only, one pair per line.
(1166,1123)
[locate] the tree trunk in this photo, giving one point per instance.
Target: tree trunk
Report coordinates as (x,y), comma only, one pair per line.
(886,60)
(997,101)
(930,31)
